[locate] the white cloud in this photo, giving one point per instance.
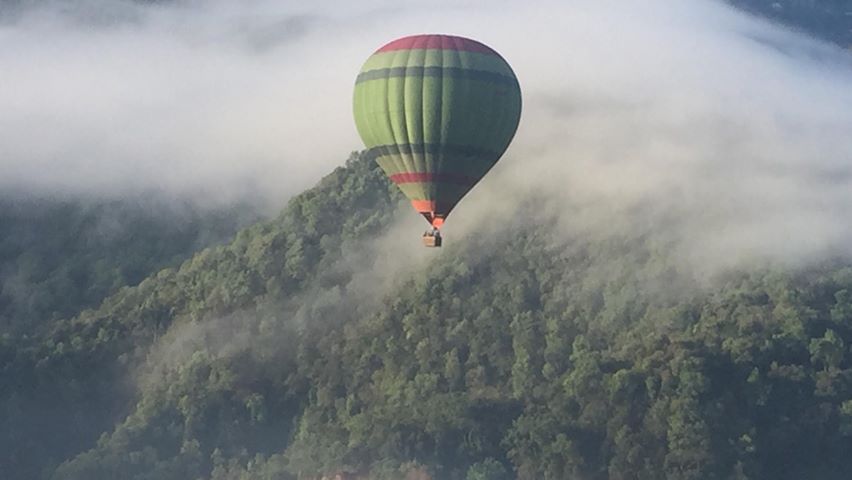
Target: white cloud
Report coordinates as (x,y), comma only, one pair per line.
(728,133)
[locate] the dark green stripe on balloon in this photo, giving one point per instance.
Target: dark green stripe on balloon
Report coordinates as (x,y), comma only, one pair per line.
(439,72)
(430,149)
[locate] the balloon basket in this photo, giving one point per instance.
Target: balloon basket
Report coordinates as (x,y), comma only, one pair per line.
(432,240)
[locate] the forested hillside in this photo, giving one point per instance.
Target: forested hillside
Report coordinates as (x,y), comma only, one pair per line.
(529,354)
(827,19)
(74,382)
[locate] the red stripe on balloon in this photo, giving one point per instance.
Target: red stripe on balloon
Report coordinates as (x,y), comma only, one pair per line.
(436,42)
(423,177)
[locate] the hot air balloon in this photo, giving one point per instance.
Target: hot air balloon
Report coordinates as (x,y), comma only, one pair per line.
(436,112)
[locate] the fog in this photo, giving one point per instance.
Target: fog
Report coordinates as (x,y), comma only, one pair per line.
(722,132)
(724,136)
(201,101)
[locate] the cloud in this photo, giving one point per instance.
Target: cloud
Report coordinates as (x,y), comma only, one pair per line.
(215,100)
(723,132)
(724,135)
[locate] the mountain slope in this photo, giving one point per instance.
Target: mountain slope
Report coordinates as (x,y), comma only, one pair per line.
(72,384)
(538,360)
(535,353)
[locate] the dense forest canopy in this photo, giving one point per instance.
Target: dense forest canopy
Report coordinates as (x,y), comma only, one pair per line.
(525,354)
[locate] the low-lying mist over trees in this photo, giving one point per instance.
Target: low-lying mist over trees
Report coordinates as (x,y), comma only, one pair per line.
(530,354)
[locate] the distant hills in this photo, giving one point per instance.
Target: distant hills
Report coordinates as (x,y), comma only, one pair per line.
(59,255)
(826,19)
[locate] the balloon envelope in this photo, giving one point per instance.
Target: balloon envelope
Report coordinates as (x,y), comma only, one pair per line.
(436,112)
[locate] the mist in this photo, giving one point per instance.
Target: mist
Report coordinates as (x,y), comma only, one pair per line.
(725,134)
(204,101)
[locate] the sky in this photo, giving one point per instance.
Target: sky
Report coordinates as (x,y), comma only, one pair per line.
(727,133)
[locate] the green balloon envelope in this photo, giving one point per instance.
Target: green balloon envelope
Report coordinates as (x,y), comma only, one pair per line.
(436,112)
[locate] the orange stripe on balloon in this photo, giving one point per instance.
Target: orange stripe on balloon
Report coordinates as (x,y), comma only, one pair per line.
(433,211)
(425,206)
